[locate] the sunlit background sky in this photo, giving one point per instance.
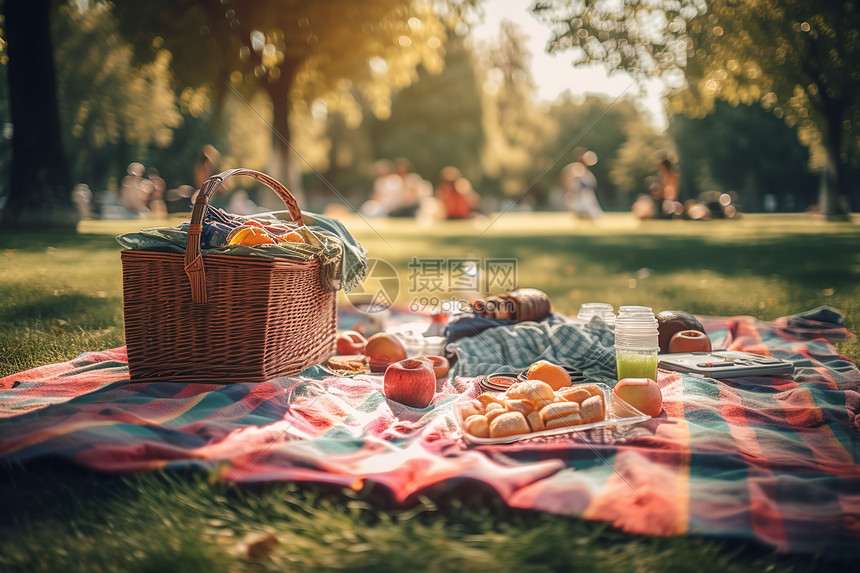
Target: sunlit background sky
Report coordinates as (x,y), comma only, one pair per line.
(554,73)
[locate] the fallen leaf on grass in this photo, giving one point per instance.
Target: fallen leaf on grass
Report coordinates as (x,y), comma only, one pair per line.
(259,545)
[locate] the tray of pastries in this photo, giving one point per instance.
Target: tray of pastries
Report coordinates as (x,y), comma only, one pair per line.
(531,408)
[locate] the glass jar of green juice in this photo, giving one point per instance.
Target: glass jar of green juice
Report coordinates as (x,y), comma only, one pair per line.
(636,343)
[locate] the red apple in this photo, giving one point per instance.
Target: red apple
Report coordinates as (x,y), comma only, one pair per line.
(641,393)
(689,341)
(382,349)
(440,365)
(411,382)
(350,342)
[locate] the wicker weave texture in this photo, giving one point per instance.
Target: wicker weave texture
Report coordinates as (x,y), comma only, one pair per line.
(263,319)
(259,318)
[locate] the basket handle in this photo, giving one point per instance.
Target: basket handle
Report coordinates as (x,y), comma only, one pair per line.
(193,258)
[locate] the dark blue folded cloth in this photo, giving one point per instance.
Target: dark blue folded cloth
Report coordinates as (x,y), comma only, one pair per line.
(217,224)
(822,322)
(587,347)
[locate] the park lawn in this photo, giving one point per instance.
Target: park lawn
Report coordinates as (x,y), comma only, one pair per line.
(61,295)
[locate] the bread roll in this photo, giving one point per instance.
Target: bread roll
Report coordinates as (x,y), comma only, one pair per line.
(558,410)
(574,394)
(493,413)
(478,426)
(470,408)
(535,423)
(491,397)
(535,391)
(529,304)
(509,424)
(524,407)
(565,421)
(521,304)
(592,409)
(505,308)
(592,389)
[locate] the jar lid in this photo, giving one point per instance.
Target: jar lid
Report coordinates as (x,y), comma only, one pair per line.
(634,308)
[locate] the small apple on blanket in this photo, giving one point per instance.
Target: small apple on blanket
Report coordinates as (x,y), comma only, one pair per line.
(411,382)
(641,393)
(350,342)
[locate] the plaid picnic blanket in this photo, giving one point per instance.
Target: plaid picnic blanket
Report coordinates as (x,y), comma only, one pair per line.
(767,459)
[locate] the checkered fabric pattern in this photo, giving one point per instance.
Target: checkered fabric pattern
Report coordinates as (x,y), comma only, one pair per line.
(767,459)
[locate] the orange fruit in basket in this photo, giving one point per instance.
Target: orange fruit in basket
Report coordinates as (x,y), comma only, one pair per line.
(291,237)
(552,374)
(235,237)
(251,237)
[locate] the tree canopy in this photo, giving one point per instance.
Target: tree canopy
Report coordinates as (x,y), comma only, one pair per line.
(106,104)
(295,52)
(798,58)
(747,150)
(518,132)
(436,121)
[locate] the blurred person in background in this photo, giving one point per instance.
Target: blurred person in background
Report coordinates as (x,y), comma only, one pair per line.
(387,187)
(413,189)
(668,181)
(82,199)
(456,194)
(661,201)
(134,191)
(579,186)
(158,186)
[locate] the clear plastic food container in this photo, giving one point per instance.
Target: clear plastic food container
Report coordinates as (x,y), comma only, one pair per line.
(618,413)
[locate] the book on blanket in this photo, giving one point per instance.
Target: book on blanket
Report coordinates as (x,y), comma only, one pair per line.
(725,364)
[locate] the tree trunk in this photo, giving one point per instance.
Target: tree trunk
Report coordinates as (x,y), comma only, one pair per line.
(833,191)
(283,162)
(39,187)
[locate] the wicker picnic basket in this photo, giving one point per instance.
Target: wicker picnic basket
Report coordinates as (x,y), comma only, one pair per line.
(224,318)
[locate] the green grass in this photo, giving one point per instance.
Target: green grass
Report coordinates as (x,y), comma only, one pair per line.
(61,295)
(184,523)
(762,266)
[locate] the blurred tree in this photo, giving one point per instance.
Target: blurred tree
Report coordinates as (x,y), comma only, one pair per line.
(746,150)
(175,162)
(798,58)
(6,123)
(436,121)
(295,52)
(516,130)
(39,193)
(351,153)
(601,125)
(111,111)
